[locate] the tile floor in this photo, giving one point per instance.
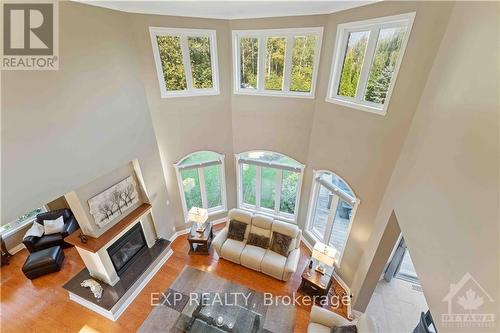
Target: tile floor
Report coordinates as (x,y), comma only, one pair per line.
(395,307)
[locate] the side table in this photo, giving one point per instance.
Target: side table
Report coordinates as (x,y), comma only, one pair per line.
(199,242)
(314,283)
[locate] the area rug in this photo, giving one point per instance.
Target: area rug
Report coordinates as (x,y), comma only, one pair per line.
(276,317)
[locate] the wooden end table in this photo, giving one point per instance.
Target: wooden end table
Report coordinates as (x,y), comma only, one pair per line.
(199,242)
(314,283)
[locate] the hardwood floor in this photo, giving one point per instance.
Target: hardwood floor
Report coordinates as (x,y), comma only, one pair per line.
(42,305)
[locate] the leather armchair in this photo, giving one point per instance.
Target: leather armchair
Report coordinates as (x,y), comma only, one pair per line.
(34,244)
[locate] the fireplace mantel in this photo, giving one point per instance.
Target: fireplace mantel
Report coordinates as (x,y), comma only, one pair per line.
(95,244)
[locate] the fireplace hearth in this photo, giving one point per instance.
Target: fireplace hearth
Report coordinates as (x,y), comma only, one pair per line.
(127,248)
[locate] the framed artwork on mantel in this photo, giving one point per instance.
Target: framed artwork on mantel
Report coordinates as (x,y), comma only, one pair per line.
(107,206)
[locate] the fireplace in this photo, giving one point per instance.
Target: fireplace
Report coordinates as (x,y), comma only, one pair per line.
(127,248)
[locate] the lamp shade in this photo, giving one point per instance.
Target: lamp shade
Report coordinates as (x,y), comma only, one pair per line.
(198,215)
(324,254)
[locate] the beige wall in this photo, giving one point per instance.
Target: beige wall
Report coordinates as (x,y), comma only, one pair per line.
(187,124)
(362,147)
(62,129)
(278,124)
(444,189)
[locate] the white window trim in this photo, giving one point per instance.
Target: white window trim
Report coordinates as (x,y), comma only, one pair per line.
(276,213)
(374,26)
(183,34)
(9,232)
(262,35)
(201,178)
(309,229)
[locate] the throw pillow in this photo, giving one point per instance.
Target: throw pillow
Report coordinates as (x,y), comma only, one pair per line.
(236,230)
(53,226)
(345,329)
(258,240)
(36,230)
(281,243)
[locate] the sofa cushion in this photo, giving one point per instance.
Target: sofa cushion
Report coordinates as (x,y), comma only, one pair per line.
(281,244)
(231,250)
(317,328)
(241,216)
(258,240)
(251,257)
(261,225)
(288,229)
(36,230)
(53,226)
(236,230)
(273,264)
(49,241)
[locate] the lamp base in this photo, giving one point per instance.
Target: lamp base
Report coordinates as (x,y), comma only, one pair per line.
(320,269)
(201,228)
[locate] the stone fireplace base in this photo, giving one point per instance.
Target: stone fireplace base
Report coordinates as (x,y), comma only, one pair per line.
(115,299)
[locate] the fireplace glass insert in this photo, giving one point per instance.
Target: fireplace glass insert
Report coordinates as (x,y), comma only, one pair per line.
(126,249)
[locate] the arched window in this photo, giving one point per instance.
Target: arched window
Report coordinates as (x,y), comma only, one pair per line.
(269,183)
(202,182)
(331,210)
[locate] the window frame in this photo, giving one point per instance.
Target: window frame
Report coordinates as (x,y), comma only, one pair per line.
(309,227)
(20,225)
(199,166)
(262,35)
(183,34)
(276,212)
(373,26)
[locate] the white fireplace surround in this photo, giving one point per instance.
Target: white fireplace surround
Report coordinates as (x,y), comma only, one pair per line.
(99,263)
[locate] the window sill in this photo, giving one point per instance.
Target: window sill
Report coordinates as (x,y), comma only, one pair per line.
(189,93)
(212,213)
(9,232)
(357,106)
(274,94)
(266,213)
(315,238)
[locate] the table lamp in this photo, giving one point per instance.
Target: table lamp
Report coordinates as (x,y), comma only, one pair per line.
(325,255)
(198,216)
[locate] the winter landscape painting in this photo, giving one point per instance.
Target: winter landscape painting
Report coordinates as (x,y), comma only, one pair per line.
(110,204)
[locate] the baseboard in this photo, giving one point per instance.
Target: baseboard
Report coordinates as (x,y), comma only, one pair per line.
(306,243)
(17,248)
(185,231)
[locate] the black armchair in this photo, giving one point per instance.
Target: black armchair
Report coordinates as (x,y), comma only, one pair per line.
(34,243)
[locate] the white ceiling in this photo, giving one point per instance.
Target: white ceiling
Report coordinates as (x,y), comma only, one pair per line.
(229,9)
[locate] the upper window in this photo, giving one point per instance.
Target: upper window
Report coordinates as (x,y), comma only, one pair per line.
(366,62)
(186,61)
(280,62)
(331,210)
(269,183)
(201,181)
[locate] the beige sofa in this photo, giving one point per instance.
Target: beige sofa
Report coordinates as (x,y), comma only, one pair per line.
(323,320)
(259,259)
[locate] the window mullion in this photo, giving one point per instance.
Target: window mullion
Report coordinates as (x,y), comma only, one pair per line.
(257,187)
(331,217)
(367,63)
(288,63)
(262,62)
(277,190)
(186,62)
(203,190)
